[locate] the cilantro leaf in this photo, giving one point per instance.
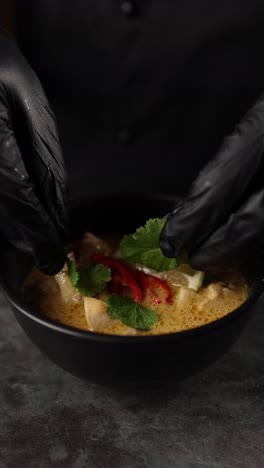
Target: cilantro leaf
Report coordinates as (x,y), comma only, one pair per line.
(93,279)
(89,280)
(130,313)
(73,272)
(143,247)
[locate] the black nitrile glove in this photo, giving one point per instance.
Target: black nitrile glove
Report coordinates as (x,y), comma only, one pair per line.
(33,217)
(221,221)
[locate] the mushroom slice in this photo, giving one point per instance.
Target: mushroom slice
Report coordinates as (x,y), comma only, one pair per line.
(68,292)
(95,313)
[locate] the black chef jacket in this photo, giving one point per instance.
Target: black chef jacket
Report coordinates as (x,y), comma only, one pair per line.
(144,90)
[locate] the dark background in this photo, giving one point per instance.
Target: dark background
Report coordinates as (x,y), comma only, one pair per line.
(144,91)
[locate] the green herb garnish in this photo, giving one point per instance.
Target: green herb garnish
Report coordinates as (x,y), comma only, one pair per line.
(143,247)
(130,313)
(73,272)
(89,280)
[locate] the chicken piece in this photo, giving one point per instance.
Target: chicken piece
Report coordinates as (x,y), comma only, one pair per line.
(185,296)
(89,244)
(95,313)
(183,275)
(212,291)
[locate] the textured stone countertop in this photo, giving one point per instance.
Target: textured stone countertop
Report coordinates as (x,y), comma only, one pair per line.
(50,419)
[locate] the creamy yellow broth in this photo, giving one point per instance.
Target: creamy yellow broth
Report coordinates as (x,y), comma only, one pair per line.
(189,309)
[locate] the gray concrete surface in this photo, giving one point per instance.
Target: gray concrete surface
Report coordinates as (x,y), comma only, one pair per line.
(50,419)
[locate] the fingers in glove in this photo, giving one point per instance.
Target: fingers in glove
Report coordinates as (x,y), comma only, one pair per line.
(219,187)
(36,132)
(235,242)
(24,221)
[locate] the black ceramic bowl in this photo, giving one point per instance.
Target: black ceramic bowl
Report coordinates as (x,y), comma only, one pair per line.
(100,357)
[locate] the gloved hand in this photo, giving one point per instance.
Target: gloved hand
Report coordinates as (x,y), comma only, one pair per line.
(33,193)
(221,221)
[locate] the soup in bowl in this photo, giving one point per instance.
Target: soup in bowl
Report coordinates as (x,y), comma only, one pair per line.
(134,299)
(192,319)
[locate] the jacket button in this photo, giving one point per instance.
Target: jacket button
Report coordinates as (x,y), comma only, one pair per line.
(128,8)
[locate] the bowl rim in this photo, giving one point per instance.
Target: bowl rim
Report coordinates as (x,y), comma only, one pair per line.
(33,314)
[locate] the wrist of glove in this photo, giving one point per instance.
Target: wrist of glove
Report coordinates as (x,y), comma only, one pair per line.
(33,193)
(221,221)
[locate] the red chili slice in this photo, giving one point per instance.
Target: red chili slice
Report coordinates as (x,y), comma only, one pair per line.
(150,284)
(120,276)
